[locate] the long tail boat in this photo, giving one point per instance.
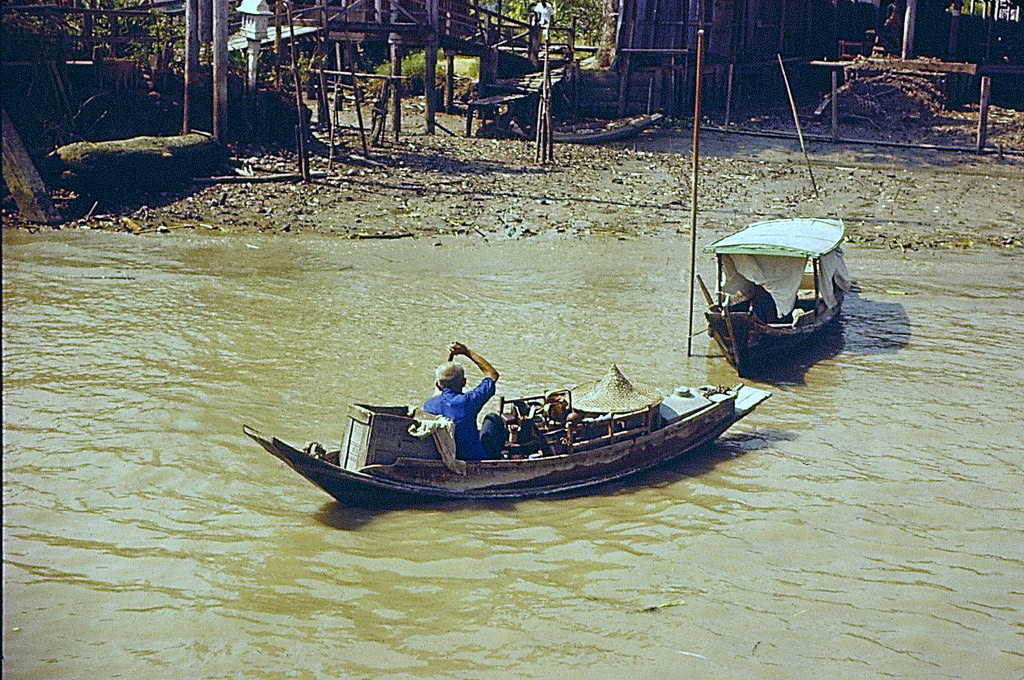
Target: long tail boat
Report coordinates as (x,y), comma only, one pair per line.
(779,284)
(560,443)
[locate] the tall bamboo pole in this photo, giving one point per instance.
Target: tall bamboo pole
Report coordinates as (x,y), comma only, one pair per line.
(796,121)
(693,186)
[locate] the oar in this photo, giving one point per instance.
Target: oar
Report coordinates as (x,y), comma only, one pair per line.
(704,289)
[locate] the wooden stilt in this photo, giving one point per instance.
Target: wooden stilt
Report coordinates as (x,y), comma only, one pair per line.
(986,95)
(835,105)
(545,140)
(728,94)
(300,141)
(357,94)
(220,69)
(396,88)
(331,120)
(449,82)
(23,180)
(191,61)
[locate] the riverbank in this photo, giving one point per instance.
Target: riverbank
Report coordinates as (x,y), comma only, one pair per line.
(424,186)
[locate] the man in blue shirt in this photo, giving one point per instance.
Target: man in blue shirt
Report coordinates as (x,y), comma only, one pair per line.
(462,408)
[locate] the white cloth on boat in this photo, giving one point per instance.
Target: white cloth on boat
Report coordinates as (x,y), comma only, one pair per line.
(778,275)
(443,431)
(833,269)
(781,276)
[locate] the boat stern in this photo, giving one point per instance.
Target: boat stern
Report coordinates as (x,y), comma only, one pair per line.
(748,398)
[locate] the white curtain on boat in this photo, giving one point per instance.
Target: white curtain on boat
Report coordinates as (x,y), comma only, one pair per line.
(777,274)
(780,276)
(833,269)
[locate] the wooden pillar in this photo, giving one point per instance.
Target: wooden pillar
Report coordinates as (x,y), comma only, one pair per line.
(220,69)
(115,31)
(835,105)
(23,180)
(205,21)
(449,82)
(191,61)
(430,67)
(397,52)
(430,86)
(625,61)
(533,50)
(694,184)
(277,42)
(986,94)
(909,19)
(953,47)
(728,93)
(87,26)
(782,28)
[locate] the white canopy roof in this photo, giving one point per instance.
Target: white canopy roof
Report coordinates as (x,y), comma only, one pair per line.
(797,237)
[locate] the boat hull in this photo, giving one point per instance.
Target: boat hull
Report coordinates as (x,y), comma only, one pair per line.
(413,481)
(751,345)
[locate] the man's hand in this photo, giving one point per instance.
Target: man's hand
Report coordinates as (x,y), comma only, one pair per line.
(457,348)
(485,367)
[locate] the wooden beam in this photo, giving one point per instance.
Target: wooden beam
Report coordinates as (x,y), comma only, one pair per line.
(23,180)
(984,98)
(909,20)
(220,69)
(191,61)
(882,65)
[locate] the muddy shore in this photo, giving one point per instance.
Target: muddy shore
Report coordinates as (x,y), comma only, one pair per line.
(425,186)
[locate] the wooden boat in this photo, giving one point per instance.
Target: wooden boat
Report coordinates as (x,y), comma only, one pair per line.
(615,132)
(779,284)
(555,446)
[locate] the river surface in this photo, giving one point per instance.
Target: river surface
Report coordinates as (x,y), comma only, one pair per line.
(865,522)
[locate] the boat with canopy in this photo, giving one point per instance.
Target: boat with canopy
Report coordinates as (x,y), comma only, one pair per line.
(779,284)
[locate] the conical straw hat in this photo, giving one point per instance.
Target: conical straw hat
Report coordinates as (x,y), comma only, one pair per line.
(614,392)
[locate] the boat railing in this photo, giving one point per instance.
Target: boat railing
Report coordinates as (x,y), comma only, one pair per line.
(600,430)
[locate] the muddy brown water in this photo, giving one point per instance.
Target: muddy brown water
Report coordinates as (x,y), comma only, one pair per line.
(864,522)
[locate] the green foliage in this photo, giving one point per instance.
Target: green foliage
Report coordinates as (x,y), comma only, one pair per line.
(414,66)
(162,28)
(589,21)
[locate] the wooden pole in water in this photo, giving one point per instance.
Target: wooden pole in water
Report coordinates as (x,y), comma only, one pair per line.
(796,121)
(693,188)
